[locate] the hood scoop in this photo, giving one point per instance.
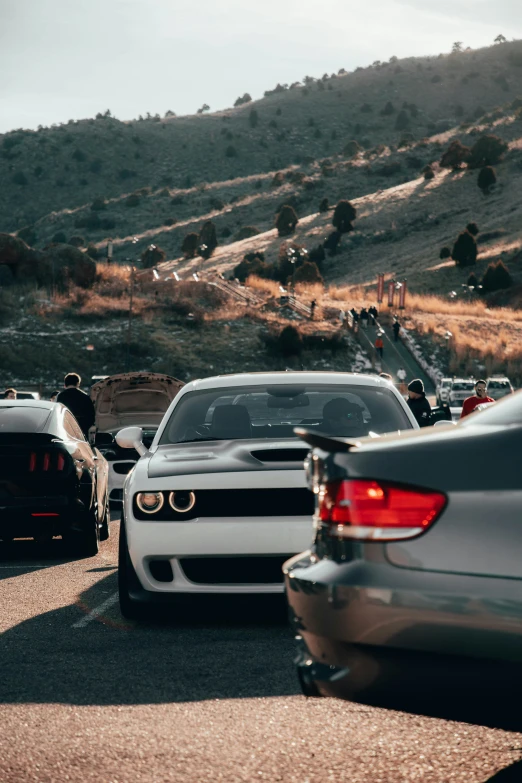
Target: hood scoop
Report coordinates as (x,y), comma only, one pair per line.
(280,455)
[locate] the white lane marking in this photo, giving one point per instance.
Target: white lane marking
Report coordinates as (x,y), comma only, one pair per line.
(96,612)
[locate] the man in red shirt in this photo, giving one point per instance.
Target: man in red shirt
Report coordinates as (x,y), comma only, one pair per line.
(478,398)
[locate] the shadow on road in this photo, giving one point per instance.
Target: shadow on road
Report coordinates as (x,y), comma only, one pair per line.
(511,774)
(27,554)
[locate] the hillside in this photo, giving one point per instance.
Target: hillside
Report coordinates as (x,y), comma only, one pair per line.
(183,170)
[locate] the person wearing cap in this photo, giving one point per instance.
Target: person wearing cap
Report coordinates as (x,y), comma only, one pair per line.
(480,396)
(418,404)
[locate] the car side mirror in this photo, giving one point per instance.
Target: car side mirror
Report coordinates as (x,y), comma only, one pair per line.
(132,438)
(445,423)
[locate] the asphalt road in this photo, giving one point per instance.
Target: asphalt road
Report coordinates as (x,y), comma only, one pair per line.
(86,696)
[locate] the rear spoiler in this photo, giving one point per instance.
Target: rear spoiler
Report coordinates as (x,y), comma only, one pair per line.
(325,442)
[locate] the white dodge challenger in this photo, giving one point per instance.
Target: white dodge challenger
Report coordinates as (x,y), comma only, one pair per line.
(219,500)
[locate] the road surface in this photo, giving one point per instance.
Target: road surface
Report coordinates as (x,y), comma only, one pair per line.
(87,696)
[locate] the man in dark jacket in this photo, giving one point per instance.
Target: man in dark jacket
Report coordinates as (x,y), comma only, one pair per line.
(78,402)
(418,403)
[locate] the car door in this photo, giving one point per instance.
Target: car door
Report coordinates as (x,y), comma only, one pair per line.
(84,458)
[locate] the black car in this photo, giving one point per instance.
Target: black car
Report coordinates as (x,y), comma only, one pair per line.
(51,481)
(415,568)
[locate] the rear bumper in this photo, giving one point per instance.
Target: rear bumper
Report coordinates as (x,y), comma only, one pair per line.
(339,609)
(26,517)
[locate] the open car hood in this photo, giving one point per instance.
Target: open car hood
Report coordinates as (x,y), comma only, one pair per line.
(133,398)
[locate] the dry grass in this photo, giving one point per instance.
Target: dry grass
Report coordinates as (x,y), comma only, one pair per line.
(264,286)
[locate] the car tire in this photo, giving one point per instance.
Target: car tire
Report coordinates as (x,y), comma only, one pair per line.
(308,685)
(86,541)
(127,578)
(104,524)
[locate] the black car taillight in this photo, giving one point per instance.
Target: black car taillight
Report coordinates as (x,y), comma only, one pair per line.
(377,510)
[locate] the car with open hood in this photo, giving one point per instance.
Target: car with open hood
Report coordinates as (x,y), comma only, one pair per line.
(129,399)
(218,500)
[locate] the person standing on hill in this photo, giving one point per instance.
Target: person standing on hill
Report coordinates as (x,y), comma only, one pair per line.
(79,403)
(364,318)
(396,329)
(480,396)
(418,404)
(373,313)
(401,377)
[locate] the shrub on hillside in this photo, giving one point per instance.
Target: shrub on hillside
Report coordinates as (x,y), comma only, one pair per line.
(76,241)
(286,221)
(252,264)
(59,238)
(79,156)
(456,154)
(152,256)
(388,169)
(190,245)
(287,343)
(170,222)
(473,229)
(231,151)
(388,110)
(324,205)
(464,251)
(445,252)
(428,172)
(246,232)
(487,151)
(246,98)
(133,200)
(496,277)
(472,280)
(366,108)
(317,255)
(351,149)
(225,232)
(331,243)
(95,166)
(93,251)
(343,216)
(486,179)
(253,118)
(126,173)
(291,257)
(98,204)
(308,272)
(278,179)
(402,120)
(207,239)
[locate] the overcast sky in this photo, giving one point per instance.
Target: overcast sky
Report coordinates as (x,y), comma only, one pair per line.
(69,59)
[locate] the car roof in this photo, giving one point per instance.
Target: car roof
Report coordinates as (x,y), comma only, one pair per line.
(286,377)
(32,403)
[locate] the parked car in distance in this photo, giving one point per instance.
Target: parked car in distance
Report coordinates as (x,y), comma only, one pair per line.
(129,399)
(52,482)
(408,579)
(218,501)
(498,386)
(443,389)
(27,395)
(460,389)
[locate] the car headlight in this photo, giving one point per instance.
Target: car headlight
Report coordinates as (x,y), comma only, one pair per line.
(182,501)
(150,502)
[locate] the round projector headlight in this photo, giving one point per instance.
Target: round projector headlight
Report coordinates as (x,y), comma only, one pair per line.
(182,501)
(149,502)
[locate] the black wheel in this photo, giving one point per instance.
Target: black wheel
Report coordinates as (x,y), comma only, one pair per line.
(104,525)
(308,685)
(127,580)
(84,540)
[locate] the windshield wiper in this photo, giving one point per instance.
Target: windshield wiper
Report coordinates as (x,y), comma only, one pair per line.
(195,440)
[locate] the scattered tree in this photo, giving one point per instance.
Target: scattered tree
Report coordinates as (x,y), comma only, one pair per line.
(253,118)
(402,120)
(343,216)
(456,154)
(487,151)
(76,241)
(207,239)
(59,238)
(324,206)
(457,47)
(231,151)
(445,252)
(245,232)
(472,280)
(351,149)
(486,179)
(500,39)
(98,204)
(241,100)
(496,277)
(473,229)
(428,172)
(388,109)
(464,251)
(204,108)
(286,221)
(308,272)
(152,256)
(190,245)
(331,243)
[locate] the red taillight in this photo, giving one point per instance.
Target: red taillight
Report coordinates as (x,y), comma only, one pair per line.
(32,462)
(377,510)
(60,462)
(46,461)
(45,514)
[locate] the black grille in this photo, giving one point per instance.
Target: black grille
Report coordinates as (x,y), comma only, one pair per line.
(234,570)
(239,503)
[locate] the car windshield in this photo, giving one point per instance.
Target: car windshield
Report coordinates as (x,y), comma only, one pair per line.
(498,385)
(508,411)
(445,384)
(463,386)
(18,418)
(273,411)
